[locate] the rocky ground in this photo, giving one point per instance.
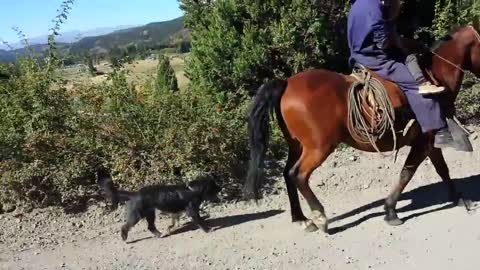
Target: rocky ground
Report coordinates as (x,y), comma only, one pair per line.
(350,184)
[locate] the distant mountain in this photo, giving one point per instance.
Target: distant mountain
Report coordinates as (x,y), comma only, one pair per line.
(10,56)
(153,35)
(6,56)
(69,36)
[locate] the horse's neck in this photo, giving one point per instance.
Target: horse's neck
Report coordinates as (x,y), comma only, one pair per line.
(447,63)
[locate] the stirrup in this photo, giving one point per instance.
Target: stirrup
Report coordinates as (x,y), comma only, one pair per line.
(460,136)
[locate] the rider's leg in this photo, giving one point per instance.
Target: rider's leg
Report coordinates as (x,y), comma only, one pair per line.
(425,88)
(429,114)
(427,110)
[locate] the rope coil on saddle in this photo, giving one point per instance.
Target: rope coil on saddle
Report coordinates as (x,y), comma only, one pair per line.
(370,111)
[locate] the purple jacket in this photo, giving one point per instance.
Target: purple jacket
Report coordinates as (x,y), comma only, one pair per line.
(368,36)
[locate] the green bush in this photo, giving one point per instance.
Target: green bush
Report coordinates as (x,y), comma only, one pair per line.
(237,45)
(38,138)
(53,140)
(468,102)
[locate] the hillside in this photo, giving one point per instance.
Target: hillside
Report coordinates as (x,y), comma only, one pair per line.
(153,34)
(68,36)
(6,56)
(157,34)
(10,56)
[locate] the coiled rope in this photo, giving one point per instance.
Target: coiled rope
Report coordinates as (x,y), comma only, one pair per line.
(370,111)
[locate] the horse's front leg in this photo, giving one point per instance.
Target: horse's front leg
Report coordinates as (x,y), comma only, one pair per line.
(417,155)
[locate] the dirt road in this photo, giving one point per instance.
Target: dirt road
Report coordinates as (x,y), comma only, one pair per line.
(350,184)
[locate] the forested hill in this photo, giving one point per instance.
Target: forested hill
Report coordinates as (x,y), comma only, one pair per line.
(157,34)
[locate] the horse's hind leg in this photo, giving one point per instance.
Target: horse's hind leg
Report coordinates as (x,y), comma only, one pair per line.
(294,153)
(438,161)
(417,155)
(309,161)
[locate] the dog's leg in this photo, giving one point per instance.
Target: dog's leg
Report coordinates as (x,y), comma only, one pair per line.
(192,212)
(175,220)
(133,215)
(150,216)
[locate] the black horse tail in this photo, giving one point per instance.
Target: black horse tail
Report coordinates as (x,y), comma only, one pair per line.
(265,102)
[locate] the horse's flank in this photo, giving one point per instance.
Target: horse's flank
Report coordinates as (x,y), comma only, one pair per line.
(306,118)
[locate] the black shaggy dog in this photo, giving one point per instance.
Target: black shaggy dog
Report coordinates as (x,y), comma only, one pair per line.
(169,199)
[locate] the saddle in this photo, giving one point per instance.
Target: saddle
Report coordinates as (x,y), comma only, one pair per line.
(377,107)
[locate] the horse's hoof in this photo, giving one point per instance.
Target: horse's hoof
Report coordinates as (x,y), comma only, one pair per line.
(308,225)
(394,221)
(320,220)
(467,204)
(462,203)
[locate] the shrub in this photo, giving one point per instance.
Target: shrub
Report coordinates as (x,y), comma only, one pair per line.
(53,140)
(237,45)
(468,102)
(166,80)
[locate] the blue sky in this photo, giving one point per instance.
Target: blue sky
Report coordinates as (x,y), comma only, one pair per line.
(34,16)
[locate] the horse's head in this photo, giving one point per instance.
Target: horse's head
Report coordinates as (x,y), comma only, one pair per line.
(457,54)
(475,48)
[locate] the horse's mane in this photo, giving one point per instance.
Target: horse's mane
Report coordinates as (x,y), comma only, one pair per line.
(439,42)
(449,36)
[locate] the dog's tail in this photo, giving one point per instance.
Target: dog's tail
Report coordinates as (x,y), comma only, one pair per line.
(111,192)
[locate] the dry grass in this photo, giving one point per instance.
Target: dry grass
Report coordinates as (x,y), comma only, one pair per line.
(139,72)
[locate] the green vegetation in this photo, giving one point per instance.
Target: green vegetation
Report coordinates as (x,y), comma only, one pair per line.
(166,80)
(56,130)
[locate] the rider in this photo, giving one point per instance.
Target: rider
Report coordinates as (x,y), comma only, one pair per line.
(375,44)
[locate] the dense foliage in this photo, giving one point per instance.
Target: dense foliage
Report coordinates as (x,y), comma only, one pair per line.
(54,135)
(236,45)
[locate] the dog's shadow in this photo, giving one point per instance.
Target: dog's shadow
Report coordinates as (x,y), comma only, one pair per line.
(221,222)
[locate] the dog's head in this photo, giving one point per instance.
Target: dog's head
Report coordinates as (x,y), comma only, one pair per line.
(208,187)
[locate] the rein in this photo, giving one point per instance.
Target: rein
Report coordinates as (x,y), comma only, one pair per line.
(477,35)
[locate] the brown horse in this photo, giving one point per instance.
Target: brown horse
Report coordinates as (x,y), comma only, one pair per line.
(312,112)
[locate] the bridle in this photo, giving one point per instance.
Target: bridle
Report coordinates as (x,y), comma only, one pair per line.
(477,35)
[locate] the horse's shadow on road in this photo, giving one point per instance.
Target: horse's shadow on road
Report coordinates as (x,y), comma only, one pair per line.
(421,198)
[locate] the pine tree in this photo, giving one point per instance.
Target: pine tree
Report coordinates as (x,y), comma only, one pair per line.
(166,80)
(89,61)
